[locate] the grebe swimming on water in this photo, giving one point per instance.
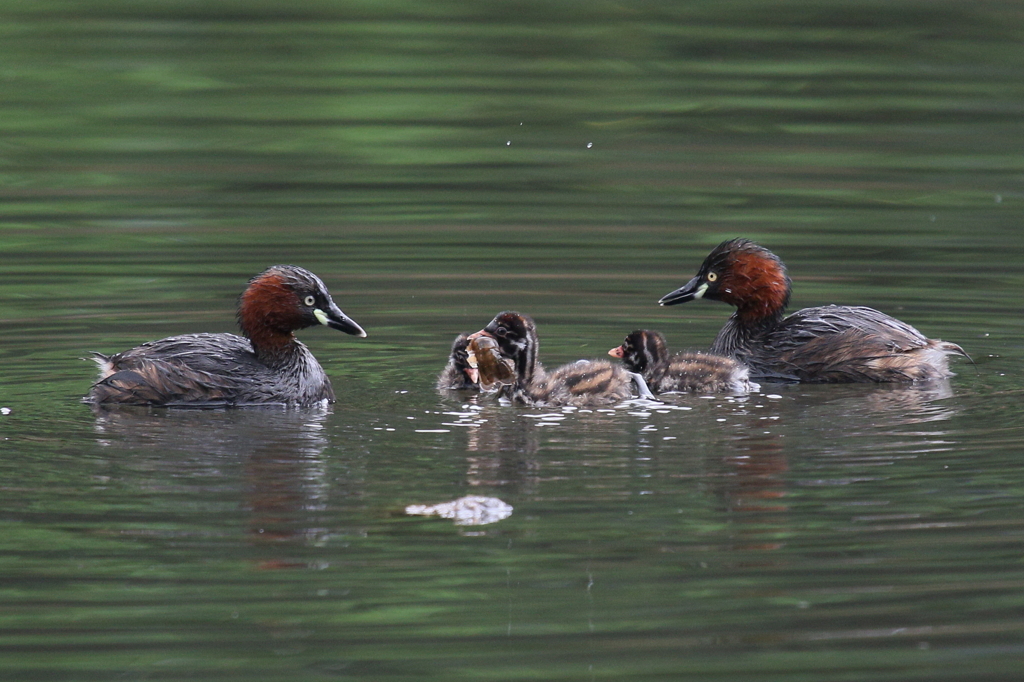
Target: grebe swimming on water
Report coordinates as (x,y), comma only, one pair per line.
(270,366)
(825,344)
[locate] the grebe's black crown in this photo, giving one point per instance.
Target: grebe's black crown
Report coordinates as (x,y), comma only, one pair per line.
(723,254)
(298,278)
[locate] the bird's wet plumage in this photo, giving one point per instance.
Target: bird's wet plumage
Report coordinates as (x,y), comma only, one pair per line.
(581,383)
(646,353)
(267,366)
(458,374)
(826,344)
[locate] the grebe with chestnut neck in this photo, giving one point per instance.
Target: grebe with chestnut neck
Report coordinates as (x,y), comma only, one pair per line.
(267,367)
(827,344)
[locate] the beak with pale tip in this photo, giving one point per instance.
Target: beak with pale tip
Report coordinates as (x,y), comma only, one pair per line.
(335,319)
(690,291)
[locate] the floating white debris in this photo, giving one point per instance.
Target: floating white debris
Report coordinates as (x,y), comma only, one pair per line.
(433,430)
(5,410)
(471,510)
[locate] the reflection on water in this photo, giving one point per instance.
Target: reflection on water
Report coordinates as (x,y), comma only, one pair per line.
(215,433)
(273,458)
(878,405)
(696,526)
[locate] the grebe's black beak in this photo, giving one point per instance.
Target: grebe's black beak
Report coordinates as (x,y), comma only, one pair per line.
(693,289)
(335,319)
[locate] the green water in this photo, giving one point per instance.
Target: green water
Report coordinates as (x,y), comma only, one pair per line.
(435,163)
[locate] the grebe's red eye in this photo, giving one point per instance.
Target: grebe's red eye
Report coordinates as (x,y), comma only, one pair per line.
(309,301)
(711,277)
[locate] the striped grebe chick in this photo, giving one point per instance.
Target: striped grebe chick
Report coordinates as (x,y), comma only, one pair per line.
(646,353)
(458,374)
(581,383)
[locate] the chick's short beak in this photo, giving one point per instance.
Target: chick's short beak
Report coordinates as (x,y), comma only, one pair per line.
(617,352)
